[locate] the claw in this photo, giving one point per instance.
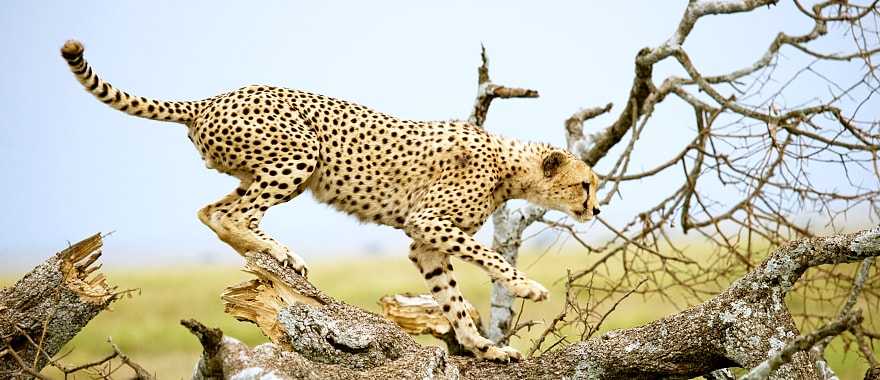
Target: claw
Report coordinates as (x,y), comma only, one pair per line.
(286,259)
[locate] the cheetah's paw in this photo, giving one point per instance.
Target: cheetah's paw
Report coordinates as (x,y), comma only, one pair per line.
(287,258)
(484,348)
(529,289)
(503,354)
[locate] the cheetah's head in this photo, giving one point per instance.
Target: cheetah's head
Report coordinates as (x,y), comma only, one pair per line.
(568,185)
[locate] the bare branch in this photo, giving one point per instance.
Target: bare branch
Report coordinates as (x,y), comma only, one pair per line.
(488,91)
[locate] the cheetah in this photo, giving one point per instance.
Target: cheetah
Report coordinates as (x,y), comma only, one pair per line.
(436,181)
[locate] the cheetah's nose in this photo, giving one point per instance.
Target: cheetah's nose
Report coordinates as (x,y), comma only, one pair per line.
(595,211)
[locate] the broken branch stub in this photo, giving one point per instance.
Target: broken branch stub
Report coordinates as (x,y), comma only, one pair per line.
(296,316)
(50,304)
(488,91)
(421,315)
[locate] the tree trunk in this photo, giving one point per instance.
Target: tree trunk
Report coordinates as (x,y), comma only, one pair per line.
(315,336)
(50,304)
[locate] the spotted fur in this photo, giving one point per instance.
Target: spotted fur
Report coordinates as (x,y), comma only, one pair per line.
(437,181)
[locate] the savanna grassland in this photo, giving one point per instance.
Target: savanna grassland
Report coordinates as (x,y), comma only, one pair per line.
(146,325)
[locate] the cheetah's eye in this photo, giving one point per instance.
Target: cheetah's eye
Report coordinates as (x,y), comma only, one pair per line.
(586,186)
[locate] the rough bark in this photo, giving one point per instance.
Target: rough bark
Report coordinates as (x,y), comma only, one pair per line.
(803,344)
(50,305)
(315,336)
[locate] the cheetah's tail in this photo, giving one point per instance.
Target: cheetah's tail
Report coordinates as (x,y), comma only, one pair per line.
(181,112)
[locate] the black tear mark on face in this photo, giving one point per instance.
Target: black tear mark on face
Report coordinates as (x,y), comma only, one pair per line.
(552,163)
(586,186)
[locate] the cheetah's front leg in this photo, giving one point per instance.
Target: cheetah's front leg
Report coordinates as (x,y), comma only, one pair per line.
(430,226)
(437,270)
(435,239)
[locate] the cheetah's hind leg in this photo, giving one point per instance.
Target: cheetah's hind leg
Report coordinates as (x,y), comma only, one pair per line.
(276,182)
(213,215)
(279,159)
(210,215)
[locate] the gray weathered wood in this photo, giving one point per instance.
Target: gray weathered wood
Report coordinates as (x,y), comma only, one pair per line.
(50,304)
(317,337)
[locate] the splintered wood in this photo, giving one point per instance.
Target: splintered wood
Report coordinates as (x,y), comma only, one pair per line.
(50,304)
(259,300)
(420,314)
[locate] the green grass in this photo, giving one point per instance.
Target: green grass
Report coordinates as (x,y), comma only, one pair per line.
(146,326)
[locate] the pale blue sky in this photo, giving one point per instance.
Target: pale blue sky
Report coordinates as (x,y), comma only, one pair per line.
(73,166)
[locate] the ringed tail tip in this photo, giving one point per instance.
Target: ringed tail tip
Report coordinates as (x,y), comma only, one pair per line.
(180,112)
(72,49)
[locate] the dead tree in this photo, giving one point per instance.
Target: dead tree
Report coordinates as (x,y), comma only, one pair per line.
(508,224)
(317,337)
(748,138)
(49,306)
(749,142)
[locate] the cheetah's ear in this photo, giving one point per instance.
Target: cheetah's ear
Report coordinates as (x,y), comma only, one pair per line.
(552,163)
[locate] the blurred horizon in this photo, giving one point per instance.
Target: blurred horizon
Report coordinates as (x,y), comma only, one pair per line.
(74,166)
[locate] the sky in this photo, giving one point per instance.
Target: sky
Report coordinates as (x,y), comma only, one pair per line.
(73,166)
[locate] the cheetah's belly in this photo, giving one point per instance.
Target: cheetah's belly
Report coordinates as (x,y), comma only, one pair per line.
(381,201)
